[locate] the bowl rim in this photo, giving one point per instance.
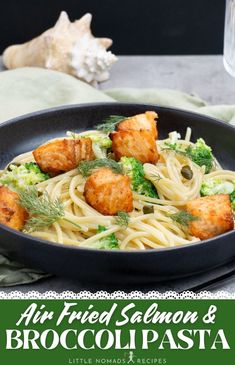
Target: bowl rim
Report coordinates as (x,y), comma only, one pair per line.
(46,243)
(115,103)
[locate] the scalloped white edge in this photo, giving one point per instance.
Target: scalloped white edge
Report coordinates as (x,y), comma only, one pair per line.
(116,295)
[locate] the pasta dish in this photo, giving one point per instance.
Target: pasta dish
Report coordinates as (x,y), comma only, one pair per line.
(119,187)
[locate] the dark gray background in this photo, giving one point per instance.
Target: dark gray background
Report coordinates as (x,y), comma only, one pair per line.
(136,26)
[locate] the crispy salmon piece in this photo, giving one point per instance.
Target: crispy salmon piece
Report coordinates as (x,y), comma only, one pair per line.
(108,192)
(138,144)
(139,122)
(11,212)
(215,216)
(63,155)
(56,157)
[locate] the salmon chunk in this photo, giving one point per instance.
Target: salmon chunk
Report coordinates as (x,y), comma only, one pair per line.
(11,212)
(145,121)
(214,214)
(132,143)
(108,192)
(64,155)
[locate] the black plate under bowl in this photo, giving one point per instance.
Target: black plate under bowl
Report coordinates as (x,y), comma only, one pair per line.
(93,266)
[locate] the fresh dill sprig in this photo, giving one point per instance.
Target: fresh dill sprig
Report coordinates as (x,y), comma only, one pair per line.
(43,212)
(174,147)
(122,219)
(171,146)
(155,177)
(109,124)
(86,167)
(73,135)
(183,218)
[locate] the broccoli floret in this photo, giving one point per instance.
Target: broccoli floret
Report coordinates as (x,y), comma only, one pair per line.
(100,142)
(108,242)
(100,145)
(18,178)
(216,186)
(147,189)
(134,169)
(201,154)
(33,167)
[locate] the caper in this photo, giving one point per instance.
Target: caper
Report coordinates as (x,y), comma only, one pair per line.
(187,172)
(148,209)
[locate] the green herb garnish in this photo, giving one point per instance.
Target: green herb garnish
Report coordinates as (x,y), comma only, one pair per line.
(174,147)
(86,167)
(122,219)
(43,212)
(155,177)
(232,199)
(183,218)
(109,124)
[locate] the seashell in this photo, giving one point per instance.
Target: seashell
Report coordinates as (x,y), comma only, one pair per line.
(68,47)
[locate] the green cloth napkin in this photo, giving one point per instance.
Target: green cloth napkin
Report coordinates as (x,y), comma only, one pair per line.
(13,273)
(173,98)
(30,89)
(25,90)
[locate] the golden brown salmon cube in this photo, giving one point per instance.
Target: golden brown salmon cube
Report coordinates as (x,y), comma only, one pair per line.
(139,122)
(214,213)
(11,212)
(138,144)
(108,192)
(64,155)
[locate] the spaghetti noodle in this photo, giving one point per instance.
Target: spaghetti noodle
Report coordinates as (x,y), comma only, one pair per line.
(155,229)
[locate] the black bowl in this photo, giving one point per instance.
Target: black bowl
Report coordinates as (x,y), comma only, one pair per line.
(93,266)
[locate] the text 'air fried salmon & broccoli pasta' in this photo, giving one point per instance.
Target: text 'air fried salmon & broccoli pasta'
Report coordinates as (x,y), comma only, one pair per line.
(119,187)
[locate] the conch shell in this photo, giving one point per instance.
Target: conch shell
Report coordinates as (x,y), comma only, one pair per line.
(68,47)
